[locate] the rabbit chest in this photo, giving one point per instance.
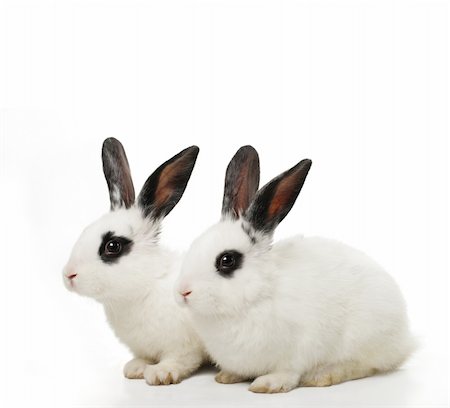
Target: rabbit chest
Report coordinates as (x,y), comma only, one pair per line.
(251,346)
(142,333)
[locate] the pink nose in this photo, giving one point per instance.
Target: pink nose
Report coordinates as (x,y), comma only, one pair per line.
(71,276)
(186,293)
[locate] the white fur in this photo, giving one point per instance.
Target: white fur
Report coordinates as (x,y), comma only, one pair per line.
(305,310)
(136,293)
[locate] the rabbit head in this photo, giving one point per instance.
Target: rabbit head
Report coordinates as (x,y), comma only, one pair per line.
(229,267)
(119,253)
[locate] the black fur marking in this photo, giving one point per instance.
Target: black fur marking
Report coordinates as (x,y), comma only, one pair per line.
(157,203)
(124,243)
(117,174)
(228,261)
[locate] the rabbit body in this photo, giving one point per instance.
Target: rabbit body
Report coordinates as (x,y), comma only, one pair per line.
(322,304)
(154,328)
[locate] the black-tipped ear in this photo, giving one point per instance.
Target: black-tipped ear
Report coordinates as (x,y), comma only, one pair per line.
(274,201)
(241,182)
(117,174)
(164,188)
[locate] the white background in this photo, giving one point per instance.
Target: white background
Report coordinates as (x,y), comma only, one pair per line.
(360,87)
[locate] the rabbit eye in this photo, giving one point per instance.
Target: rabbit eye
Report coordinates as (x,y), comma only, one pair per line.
(228,261)
(113,247)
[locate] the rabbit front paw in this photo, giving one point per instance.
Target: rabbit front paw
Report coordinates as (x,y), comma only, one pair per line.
(134,369)
(159,374)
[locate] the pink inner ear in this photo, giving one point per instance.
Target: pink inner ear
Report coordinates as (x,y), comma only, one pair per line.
(244,190)
(126,186)
(165,188)
(282,195)
(241,202)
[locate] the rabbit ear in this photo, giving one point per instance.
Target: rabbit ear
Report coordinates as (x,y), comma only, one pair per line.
(164,188)
(241,182)
(117,174)
(274,201)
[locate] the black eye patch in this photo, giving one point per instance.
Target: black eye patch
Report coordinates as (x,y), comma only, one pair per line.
(228,261)
(113,247)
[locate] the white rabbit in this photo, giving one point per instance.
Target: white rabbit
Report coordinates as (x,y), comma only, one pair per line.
(117,261)
(304,311)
